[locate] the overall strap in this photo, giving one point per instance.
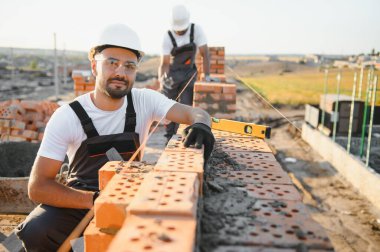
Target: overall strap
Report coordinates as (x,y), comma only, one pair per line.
(192,33)
(172,39)
(130,116)
(85,120)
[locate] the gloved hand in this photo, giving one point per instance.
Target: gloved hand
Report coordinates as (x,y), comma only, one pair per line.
(207,78)
(198,134)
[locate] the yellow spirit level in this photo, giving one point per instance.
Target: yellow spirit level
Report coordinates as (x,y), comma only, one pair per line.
(251,129)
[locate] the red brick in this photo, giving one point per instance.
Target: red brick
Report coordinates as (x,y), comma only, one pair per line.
(259,177)
(96,240)
(207,87)
(167,194)
(79,87)
(216,97)
(112,167)
(5,123)
(231,107)
(273,192)
(175,144)
(242,145)
(182,162)
(110,206)
(199,96)
(229,97)
(31,105)
(15,124)
(155,233)
(217,67)
(229,89)
(6,138)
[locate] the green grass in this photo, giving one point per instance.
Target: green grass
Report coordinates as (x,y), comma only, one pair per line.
(305,87)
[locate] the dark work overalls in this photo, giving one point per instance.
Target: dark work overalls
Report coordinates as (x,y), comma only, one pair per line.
(181,70)
(47,227)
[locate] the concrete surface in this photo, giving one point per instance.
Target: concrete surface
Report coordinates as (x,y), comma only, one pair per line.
(364,179)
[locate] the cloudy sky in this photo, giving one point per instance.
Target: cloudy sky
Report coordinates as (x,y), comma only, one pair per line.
(242,26)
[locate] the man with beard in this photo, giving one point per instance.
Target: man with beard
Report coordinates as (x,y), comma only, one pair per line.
(177,71)
(114,115)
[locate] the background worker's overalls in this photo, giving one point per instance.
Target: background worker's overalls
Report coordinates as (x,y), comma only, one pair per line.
(181,69)
(47,227)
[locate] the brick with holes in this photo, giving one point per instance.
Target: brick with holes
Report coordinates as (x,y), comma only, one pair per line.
(273,192)
(242,145)
(110,206)
(155,233)
(259,177)
(112,167)
(175,144)
(187,161)
(167,193)
(96,240)
(249,230)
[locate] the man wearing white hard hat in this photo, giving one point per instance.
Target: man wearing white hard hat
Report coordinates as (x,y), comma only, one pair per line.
(115,116)
(177,71)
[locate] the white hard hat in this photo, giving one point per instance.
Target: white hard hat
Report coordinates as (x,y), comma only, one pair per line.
(180,18)
(119,35)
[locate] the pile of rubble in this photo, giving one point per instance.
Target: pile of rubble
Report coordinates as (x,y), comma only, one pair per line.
(24,120)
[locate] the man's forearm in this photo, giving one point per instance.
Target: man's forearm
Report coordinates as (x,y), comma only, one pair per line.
(52,193)
(162,70)
(201,116)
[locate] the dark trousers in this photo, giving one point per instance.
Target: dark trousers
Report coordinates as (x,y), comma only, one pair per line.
(186,97)
(47,227)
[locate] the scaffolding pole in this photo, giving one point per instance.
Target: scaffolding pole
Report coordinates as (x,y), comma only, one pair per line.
(361,82)
(56,68)
(367,94)
(324,100)
(351,114)
(338,78)
(373,103)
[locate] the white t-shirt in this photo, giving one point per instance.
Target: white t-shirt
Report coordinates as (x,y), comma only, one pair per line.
(64,133)
(199,39)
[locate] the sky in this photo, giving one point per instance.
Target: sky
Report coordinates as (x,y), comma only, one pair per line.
(241,26)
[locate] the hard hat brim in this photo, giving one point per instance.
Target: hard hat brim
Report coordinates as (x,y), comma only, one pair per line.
(182,27)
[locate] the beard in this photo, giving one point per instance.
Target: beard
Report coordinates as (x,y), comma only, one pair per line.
(118,93)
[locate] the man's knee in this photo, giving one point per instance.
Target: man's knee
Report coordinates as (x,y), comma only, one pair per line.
(46,227)
(34,234)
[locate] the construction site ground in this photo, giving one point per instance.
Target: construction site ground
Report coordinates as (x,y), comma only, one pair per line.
(350,221)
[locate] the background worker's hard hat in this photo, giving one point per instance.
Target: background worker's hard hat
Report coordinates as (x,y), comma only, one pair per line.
(118,35)
(180,18)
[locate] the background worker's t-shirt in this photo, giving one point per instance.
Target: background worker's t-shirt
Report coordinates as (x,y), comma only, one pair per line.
(64,133)
(199,39)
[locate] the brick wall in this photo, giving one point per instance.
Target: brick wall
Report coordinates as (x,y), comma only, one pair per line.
(218,99)
(155,209)
(84,82)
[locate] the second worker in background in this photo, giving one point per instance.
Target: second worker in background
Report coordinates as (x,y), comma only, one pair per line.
(177,71)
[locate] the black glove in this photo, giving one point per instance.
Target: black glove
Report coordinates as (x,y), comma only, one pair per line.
(198,134)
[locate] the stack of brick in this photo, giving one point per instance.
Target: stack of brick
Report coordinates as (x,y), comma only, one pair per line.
(217,62)
(144,209)
(84,82)
(24,120)
(277,219)
(149,209)
(218,99)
